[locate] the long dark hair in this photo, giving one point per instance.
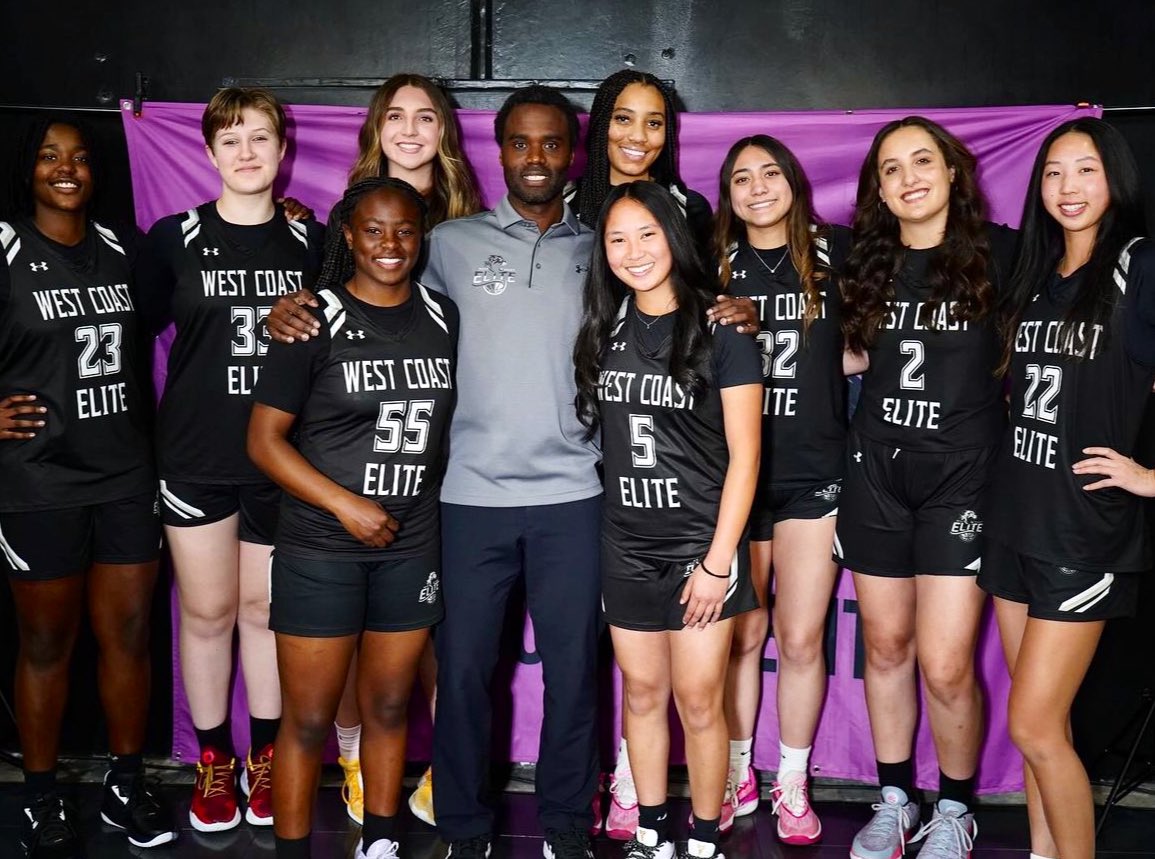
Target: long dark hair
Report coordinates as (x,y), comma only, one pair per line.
(595,184)
(690,347)
(1041,242)
(31,138)
(958,274)
(338,267)
(803,226)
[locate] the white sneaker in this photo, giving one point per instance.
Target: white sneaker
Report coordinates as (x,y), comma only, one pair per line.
(382,848)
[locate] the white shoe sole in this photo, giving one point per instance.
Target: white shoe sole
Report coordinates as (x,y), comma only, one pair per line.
(224,826)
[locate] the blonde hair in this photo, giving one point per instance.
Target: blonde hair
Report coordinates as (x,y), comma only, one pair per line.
(224,110)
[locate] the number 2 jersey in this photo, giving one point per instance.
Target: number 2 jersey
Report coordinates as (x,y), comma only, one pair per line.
(931,385)
(804,402)
(664,448)
(69,335)
(373,394)
(1074,388)
(216,281)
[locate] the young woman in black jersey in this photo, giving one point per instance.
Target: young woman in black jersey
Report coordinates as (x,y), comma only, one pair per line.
(357,558)
(79,531)
(1067,541)
(679,409)
(213,272)
(920,288)
(772,248)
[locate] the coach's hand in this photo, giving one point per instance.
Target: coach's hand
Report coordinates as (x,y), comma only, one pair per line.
(13,424)
(735,310)
(287,321)
(367,520)
(703,597)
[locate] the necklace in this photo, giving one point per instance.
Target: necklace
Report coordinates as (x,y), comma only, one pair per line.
(649,325)
(773,271)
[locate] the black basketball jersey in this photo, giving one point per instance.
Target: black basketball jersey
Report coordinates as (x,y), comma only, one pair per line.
(804,404)
(222,291)
(931,385)
(664,448)
(375,421)
(68,334)
(1070,390)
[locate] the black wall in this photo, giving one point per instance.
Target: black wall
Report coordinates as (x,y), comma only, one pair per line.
(722,55)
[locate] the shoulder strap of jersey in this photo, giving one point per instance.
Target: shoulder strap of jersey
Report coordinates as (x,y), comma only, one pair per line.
(299,231)
(109,238)
(435,311)
(621,317)
(1123,264)
(821,246)
(190,227)
(679,197)
(9,241)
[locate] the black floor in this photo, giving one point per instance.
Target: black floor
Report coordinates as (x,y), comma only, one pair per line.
(1130,833)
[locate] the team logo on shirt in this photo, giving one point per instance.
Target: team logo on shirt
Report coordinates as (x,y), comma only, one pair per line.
(740,274)
(210,252)
(431,590)
(38,266)
(967,527)
(581,269)
(495,275)
(828,493)
(354,335)
(619,346)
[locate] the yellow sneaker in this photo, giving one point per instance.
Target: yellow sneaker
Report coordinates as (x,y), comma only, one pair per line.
(421,800)
(353,791)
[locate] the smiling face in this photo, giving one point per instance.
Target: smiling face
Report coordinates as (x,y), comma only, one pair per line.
(914,179)
(638,253)
(411,129)
(62,177)
(1074,186)
(536,153)
(384,235)
(761,197)
(248,154)
(637,133)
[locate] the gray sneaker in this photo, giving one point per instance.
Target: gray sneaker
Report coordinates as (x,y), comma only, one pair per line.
(950,834)
(889,831)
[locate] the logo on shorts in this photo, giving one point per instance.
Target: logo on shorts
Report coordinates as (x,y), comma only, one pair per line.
(967,527)
(431,590)
(495,275)
(828,493)
(1067,571)
(690,567)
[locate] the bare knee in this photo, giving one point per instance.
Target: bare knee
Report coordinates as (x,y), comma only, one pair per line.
(1036,736)
(127,636)
(208,620)
(949,681)
(699,709)
(388,709)
(643,698)
(45,650)
(749,635)
(254,613)
(799,646)
(306,727)
(887,652)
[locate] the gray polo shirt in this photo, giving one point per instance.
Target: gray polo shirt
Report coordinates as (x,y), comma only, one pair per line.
(515,439)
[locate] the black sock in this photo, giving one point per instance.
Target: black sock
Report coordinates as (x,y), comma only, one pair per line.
(262,732)
(961,790)
(293,848)
(705,831)
(376,828)
(124,767)
(38,783)
(219,738)
(657,818)
(900,775)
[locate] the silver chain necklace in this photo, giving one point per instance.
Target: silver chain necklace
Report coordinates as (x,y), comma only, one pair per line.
(781,259)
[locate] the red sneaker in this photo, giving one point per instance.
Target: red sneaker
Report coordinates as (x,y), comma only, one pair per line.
(257,783)
(214,801)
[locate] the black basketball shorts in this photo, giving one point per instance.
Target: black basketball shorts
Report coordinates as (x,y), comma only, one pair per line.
(185,505)
(773,504)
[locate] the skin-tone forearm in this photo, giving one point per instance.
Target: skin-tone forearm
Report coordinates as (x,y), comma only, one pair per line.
(854,363)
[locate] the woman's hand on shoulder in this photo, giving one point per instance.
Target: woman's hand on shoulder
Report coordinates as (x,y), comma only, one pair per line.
(295,210)
(735,310)
(1116,470)
(14,425)
(289,321)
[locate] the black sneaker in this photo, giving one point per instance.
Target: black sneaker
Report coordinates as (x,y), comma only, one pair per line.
(567,844)
(133,807)
(47,833)
(469,848)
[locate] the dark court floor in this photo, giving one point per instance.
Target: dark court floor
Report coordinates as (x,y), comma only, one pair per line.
(1130,833)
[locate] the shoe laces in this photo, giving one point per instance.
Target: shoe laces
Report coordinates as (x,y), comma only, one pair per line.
(791,794)
(49,822)
(623,790)
(947,835)
(351,789)
(259,776)
(217,778)
(887,816)
(570,843)
(637,850)
(141,796)
(383,849)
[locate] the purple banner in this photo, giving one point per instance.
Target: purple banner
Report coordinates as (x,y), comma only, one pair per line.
(170,172)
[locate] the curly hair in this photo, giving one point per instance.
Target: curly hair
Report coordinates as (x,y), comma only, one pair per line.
(454,193)
(957,277)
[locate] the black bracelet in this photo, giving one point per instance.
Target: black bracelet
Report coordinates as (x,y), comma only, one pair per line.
(706,570)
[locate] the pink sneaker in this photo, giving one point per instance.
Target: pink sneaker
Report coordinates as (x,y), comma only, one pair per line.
(596,826)
(746,794)
(622,821)
(797,822)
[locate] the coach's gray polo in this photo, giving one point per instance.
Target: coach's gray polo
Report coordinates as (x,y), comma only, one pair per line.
(515,438)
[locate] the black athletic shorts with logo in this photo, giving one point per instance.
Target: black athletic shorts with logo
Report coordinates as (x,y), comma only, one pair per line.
(1054,592)
(184,505)
(778,503)
(52,544)
(327,598)
(905,512)
(642,592)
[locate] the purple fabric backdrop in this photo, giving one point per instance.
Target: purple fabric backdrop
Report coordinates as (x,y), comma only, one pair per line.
(170,172)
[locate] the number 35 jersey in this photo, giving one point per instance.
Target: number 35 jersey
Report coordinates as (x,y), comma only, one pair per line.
(931,385)
(224,278)
(68,334)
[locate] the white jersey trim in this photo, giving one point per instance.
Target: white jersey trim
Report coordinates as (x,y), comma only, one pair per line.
(434,309)
(109,238)
(190,226)
(1083,600)
(180,508)
(299,232)
(15,560)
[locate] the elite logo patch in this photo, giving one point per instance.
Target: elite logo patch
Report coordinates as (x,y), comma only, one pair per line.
(432,589)
(495,275)
(967,527)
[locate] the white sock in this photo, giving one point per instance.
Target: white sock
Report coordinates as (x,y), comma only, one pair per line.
(740,758)
(622,767)
(1041,856)
(793,760)
(349,742)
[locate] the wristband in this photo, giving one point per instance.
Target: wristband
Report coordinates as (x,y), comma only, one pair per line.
(706,570)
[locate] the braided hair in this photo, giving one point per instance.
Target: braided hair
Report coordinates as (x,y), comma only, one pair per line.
(595,183)
(19,192)
(338,268)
